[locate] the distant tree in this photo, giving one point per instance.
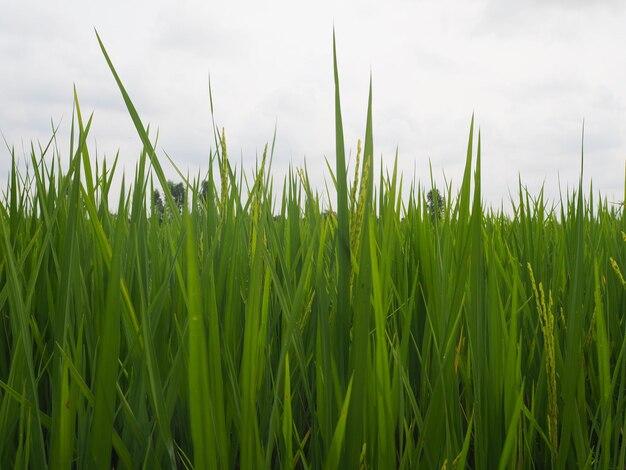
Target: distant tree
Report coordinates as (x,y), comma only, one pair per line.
(435,202)
(177,190)
(204,190)
(157,204)
(178,193)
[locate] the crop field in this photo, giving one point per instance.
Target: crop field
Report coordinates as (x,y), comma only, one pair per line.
(250,328)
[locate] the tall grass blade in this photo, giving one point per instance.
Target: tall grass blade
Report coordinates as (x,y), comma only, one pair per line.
(343,313)
(100,439)
(334,454)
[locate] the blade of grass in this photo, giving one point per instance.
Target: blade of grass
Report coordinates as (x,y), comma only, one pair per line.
(343,233)
(100,439)
(334,453)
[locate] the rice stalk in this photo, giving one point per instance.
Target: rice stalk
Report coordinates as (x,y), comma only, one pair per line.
(547,327)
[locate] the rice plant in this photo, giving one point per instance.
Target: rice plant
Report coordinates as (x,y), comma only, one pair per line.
(221,331)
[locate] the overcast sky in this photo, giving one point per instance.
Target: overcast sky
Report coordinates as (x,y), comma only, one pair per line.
(531,73)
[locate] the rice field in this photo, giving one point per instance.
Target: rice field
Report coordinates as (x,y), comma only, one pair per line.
(253,329)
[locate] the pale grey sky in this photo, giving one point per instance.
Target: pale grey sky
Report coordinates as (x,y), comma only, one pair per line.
(531,73)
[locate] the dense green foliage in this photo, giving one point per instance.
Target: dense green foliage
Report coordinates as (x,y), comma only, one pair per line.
(237,334)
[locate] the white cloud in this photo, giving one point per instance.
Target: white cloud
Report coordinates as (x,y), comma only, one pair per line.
(530,73)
